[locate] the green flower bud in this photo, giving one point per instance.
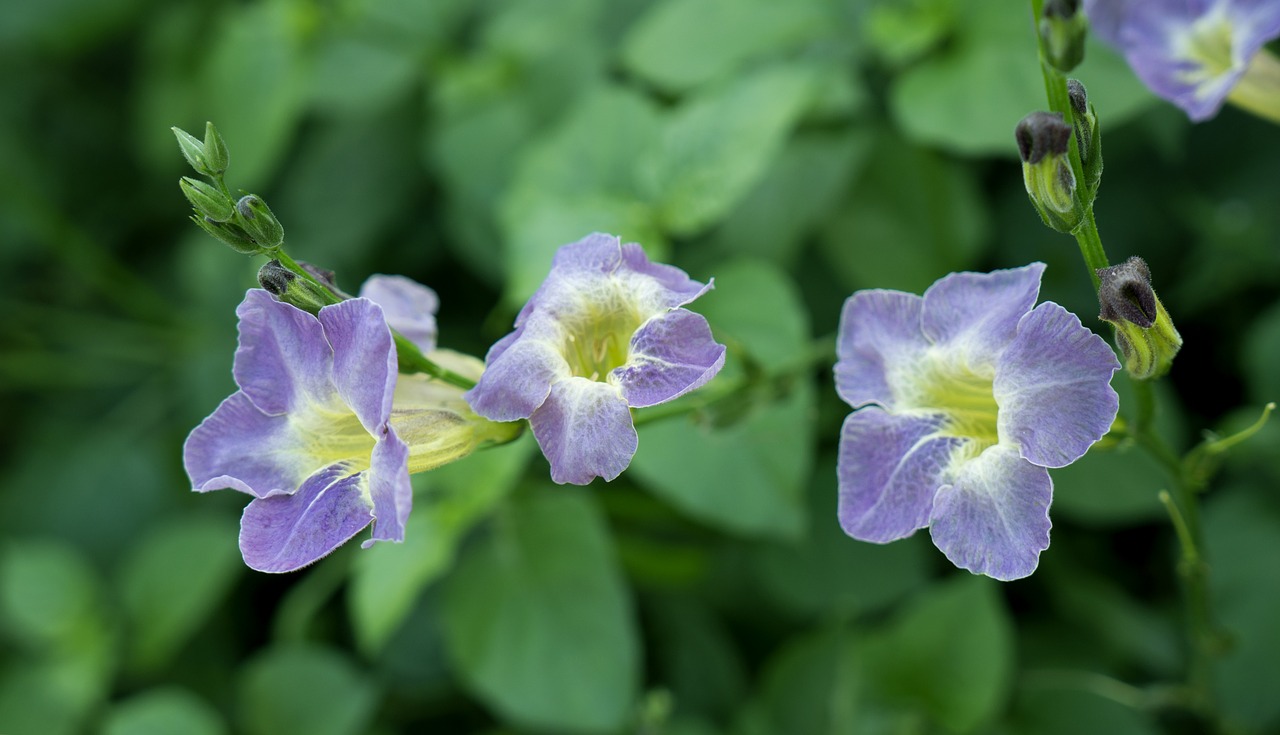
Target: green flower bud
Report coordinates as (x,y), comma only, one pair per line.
(1088,136)
(1062,29)
(216,156)
(286,286)
(207,200)
(1043,140)
(1144,332)
(229,233)
(256,218)
(193,150)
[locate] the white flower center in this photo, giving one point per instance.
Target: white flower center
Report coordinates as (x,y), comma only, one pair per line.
(1208,44)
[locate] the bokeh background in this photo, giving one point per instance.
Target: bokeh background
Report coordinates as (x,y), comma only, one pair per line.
(793,151)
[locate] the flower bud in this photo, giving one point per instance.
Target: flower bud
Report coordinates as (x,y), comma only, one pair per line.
(1062,29)
(256,218)
(229,233)
(1088,136)
(216,156)
(193,150)
(286,286)
(1144,332)
(207,200)
(1043,140)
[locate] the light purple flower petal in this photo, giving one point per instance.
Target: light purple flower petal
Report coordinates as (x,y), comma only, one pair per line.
(889,468)
(979,312)
(364,359)
(389,488)
(409,307)
(670,356)
(879,333)
(283,356)
(1053,386)
(680,288)
(994,517)
(240,447)
(287,532)
(585,431)
(518,380)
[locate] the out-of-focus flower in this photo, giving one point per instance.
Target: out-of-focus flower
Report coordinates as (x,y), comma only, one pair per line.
(323,433)
(1197,53)
(605,333)
(964,397)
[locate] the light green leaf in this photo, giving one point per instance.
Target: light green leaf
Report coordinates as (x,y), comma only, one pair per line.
(747,477)
(173,580)
(720,142)
(669,45)
(49,595)
(911,217)
(803,184)
(163,711)
(537,619)
(304,689)
(757,309)
(949,654)
(358,76)
(387,579)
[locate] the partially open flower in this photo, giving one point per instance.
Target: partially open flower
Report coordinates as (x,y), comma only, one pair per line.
(603,334)
(323,433)
(1197,54)
(964,397)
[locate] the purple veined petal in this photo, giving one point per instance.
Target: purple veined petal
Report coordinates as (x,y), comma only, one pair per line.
(994,517)
(889,469)
(679,287)
(283,357)
(670,356)
(596,253)
(408,306)
(585,431)
(288,532)
(518,381)
(879,336)
(1053,386)
(1105,18)
(389,488)
(978,313)
(364,359)
(240,447)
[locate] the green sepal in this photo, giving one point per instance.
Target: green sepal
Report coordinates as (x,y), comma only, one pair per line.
(207,200)
(1062,30)
(216,156)
(256,218)
(193,150)
(230,234)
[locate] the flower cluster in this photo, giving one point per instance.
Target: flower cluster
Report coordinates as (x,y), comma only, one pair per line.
(963,398)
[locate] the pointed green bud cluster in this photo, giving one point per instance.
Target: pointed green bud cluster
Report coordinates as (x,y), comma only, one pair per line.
(1088,136)
(256,218)
(1144,332)
(208,156)
(207,200)
(1043,144)
(1062,30)
(288,287)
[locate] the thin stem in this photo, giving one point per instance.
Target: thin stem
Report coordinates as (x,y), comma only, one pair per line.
(1091,245)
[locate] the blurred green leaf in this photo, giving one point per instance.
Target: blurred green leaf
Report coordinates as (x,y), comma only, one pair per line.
(173,580)
(1059,710)
(902,31)
(757,308)
(669,44)
(1240,532)
(1115,486)
(64,25)
(307,689)
(803,185)
(361,76)
(163,711)
(825,574)
(50,697)
(718,144)
(253,86)
(1262,355)
(696,657)
(911,217)
(747,477)
(49,595)
(387,579)
(575,181)
(537,618)
(949,653)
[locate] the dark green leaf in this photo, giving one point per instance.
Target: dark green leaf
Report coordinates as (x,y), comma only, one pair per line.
(304,689)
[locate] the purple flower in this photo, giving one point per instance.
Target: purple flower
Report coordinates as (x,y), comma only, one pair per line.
(964,397)
(321,432)
(1194,53)
(603,334)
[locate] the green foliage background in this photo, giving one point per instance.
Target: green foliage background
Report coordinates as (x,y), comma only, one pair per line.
(794,151)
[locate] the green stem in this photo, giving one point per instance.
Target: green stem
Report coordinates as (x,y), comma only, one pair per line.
(1091,244)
